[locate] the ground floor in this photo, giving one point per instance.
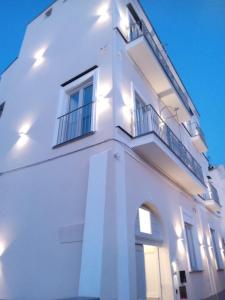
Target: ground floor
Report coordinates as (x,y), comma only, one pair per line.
(103,224)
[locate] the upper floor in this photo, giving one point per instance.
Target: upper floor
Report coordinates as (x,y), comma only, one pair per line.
(98,70)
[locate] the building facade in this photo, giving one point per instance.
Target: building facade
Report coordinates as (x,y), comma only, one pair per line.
(105,189)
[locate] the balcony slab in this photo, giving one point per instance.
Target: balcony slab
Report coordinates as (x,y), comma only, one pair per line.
(154,151)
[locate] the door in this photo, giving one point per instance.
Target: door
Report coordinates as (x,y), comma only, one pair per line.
(141,116)
(80,111)
(87,109)
(152,272)
(140,272)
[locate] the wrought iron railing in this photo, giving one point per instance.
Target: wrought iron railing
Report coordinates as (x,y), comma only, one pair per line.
(75,123)
(147,120)
(140,29)
(212,194)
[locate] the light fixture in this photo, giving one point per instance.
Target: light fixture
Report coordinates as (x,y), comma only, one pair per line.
(174,267)
(103,13)
(24,129)
(23,135)
(2,248)
(39,57)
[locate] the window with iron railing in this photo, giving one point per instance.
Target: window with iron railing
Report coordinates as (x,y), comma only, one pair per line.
(77,121)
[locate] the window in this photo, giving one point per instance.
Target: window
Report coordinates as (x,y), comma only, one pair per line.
(215,248)
(77,121)
(145,221)
(141,116)
(2,108)
(191,247)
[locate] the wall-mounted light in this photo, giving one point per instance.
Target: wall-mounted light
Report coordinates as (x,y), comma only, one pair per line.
(23,135)
(2,248)
(103,13)
(24,129)
(178,230)
(180,240)
(124,23)
(180,245)
(39,57)
(174,267)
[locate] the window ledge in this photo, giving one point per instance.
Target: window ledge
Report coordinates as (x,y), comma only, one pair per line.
(73,140)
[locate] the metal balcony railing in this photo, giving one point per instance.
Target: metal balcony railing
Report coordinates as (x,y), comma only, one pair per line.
(212,194)
(140,29)
(75,123)
(147,120)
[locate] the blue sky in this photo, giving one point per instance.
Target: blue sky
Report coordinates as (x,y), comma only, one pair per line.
(193,33)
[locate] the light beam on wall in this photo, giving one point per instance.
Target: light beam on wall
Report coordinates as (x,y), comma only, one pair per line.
(39,57)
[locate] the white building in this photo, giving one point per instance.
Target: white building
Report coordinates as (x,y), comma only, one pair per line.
(104,187)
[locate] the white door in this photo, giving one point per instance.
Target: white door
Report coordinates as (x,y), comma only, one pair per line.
(140,272)
(152,272)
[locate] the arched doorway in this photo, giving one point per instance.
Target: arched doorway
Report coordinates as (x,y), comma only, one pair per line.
(148,240)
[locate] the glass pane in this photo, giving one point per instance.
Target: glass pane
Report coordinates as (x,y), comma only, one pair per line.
(74,101)
(191,246)
(145,221)
(87,109)
(141,116)
(88,94)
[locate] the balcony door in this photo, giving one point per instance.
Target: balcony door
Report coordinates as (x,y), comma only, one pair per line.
(80,111)
(141,116)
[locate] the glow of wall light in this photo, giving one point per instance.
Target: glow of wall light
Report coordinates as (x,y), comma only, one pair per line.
(211,251)
(2,248)
(220,244)
(200,237)
(102,98)
(124,23)
(127,114)
(208,241)
(23,139)
(180,245)
(174,267)
(161,125)
(103,13)
(39,57)
(127,99)
(128,108)
(178,230)
(202,250)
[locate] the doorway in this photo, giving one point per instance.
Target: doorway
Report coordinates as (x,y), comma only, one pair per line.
(148,272)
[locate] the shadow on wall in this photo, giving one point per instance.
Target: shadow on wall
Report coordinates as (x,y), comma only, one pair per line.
(220,296)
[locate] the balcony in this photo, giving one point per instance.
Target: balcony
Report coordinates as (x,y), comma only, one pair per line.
(212,200)
(198,140)
(156,143)
(147,55)
(75,124)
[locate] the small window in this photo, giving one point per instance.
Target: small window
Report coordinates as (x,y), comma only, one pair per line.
(1,108)
(77,121)
(145,221)
(191,247)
